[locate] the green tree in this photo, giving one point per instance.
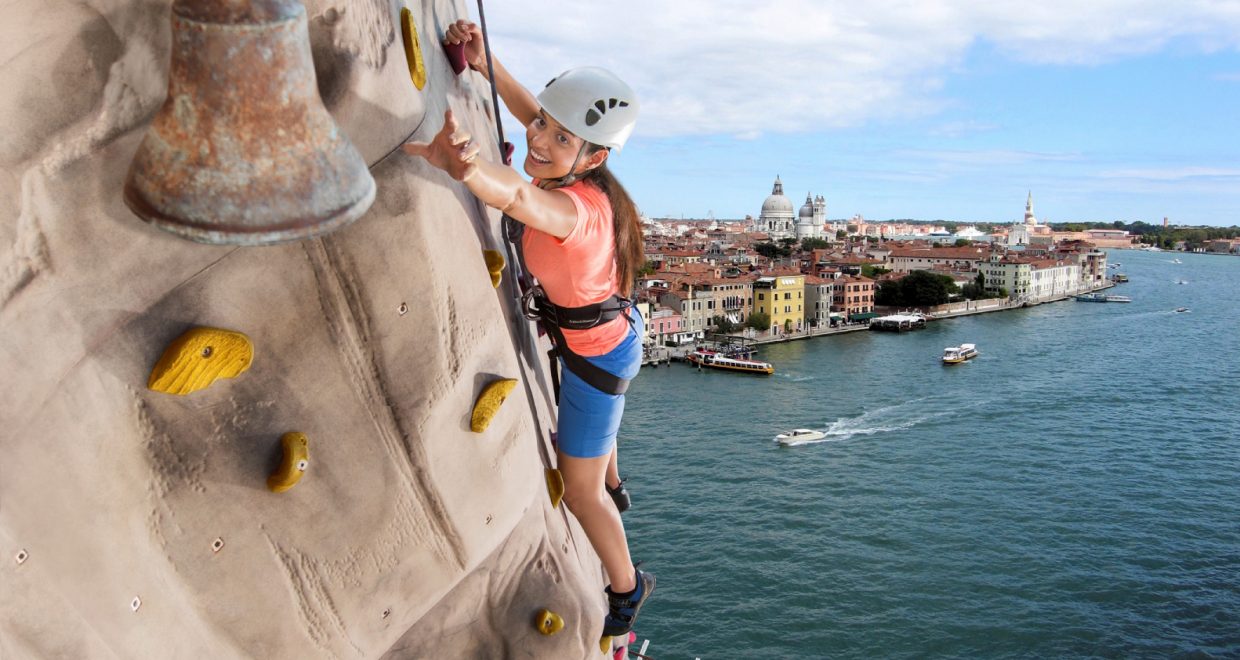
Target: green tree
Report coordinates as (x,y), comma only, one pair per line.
(724,324)
(767,249)
(963,242)
(919,288)
(787,325)
(889,294)
(759,321)
(646,269)
(841,235)
(869,270)
(814,244)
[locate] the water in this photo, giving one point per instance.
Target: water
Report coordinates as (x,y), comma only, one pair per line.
(1072,492)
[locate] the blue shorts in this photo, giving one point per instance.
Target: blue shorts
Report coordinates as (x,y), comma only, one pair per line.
(590,418)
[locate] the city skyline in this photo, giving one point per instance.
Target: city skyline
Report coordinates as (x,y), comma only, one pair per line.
(943,111)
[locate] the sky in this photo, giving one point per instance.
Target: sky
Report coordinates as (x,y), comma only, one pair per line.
(924,109)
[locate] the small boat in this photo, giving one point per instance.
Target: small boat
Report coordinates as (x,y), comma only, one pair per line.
(1176,261)
(1181,281)
(797,436)
(958,354)
(714,360)
(1181,310)
(1119,278)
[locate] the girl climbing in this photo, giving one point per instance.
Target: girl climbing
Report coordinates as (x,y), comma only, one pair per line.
(582,241)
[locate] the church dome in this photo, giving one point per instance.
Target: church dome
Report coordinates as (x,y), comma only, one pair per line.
(807,211)
(776,203)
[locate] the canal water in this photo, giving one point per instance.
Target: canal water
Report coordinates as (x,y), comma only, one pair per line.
(1072,492)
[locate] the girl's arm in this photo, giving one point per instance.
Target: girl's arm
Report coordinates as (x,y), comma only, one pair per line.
(452,151)
(520,102)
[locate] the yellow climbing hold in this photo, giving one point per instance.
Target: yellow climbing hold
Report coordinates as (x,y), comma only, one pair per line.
(293,464)
(548,622)
(198,358)
(555,486)
(604,644)
(413,50)
(495,265)
(488,403)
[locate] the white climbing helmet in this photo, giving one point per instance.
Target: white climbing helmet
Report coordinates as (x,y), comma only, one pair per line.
(593,103)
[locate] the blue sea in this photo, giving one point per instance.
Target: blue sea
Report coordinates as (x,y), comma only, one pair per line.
(1072,492)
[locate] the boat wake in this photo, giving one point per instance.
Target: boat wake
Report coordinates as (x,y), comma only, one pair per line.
(888,419)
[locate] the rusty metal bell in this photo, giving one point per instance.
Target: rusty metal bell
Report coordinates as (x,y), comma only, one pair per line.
(243,151)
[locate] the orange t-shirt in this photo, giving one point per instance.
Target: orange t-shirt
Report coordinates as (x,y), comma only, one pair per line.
(580,269)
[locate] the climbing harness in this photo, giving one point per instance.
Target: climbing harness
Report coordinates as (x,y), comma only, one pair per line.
(554,318)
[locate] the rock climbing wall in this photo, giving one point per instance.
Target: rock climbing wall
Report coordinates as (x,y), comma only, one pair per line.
(136,521)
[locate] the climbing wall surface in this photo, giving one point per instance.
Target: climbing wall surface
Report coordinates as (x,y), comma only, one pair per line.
(139,522)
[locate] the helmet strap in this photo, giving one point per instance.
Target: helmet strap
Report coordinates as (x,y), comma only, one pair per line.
(570,178)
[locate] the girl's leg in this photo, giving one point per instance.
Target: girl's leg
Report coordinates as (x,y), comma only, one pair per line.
(584,496)
(613,469)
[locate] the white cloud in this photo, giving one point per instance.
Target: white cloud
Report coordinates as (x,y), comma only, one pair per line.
(1173,173)
(740,68)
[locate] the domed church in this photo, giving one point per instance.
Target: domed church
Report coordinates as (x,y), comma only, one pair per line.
(777,218)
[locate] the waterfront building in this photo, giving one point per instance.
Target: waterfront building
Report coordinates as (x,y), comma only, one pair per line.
(1007,273)
(853,297)
(1053,278)
(665,327)
(782,298)
(691,306)
(819,294)
(643,308)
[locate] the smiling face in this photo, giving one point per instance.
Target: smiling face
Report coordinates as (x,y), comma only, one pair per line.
(551,149)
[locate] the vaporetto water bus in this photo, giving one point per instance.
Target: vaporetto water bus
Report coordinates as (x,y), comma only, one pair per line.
(713,360)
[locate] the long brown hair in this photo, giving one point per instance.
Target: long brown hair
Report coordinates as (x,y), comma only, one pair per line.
(630,250)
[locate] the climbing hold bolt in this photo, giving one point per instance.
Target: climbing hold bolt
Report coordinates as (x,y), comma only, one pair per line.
(413,50)
(495,265)
(217,544)
(387,612)
(488,403)
(548,622)
(21,557)
(135,603)
(293,464)
(198,358)
(402,309)
(555,486)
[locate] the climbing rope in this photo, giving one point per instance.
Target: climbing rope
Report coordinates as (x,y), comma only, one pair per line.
(511,231)
(504,151)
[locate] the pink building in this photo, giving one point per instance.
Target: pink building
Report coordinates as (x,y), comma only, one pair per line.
(665,324)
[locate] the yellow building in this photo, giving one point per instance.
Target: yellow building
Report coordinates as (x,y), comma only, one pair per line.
(781,297)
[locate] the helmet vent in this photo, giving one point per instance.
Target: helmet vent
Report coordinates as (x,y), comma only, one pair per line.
(592,117)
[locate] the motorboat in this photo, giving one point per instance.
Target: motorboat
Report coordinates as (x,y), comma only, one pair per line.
(958,354)
(798,436)
(1176,261)
(1181,310)
(715,360)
